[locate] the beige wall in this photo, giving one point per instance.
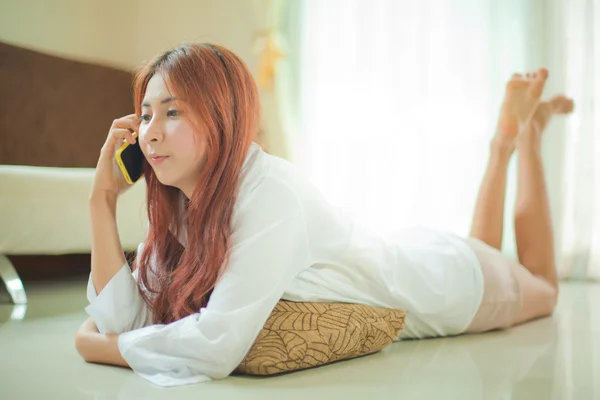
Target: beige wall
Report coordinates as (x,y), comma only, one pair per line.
(164,24)
(125,33)
(82,30)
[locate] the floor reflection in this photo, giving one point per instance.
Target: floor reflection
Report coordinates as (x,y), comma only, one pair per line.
(488,366)
(553,358)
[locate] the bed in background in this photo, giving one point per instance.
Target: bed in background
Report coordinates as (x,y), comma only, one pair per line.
(54,117)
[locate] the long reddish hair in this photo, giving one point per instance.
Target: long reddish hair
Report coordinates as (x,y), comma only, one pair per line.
(221,96)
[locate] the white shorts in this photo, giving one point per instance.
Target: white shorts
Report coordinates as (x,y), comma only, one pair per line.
(501,301)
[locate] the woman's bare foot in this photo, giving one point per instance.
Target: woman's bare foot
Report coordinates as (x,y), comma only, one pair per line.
(520,100)
(522,109)
(558,105)
(531,134)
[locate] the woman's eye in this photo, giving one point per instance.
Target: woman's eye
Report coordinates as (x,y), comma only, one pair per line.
(145,118)
(173,113)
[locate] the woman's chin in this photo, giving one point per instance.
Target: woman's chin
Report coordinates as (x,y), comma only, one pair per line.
(178,182)
(166,180)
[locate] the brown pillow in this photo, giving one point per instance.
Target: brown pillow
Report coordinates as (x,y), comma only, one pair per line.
(304,335)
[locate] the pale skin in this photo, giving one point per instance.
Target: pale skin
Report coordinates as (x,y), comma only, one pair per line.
(170,134)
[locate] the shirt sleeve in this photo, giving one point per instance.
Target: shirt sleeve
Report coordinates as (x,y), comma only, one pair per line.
(119,307)
(269,249)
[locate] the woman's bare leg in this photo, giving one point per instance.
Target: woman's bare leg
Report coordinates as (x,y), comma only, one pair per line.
(488,218)
(533,224)
(521,127)
(535,243)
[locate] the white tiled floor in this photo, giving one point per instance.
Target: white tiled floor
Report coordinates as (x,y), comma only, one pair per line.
(555,358)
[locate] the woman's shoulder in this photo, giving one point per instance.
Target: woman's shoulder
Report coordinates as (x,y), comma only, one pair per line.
(268,198)
(270,178)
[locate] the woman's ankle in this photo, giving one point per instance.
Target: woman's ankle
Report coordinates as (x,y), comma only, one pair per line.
(502,147)
(530,140)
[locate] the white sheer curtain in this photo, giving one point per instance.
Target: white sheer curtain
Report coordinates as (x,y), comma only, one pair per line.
(580,233)
(400,100)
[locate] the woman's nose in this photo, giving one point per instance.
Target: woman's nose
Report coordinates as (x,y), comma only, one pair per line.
(151,132)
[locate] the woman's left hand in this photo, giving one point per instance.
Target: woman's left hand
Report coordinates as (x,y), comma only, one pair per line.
(96,347)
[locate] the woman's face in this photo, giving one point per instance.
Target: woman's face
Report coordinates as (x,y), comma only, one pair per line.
(173,148)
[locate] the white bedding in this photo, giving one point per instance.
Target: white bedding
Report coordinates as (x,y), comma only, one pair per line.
(44,210)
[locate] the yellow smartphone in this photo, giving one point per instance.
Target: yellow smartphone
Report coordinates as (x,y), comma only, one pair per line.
(131,160)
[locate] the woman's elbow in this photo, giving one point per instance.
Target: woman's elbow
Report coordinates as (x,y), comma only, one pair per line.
(84,344)
(80,345)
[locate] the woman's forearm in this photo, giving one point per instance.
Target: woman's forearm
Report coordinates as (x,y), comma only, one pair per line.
(107,252)
(99,348)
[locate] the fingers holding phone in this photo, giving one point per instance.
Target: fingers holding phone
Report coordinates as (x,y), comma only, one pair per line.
(130,159)
(121,131)
(108,177)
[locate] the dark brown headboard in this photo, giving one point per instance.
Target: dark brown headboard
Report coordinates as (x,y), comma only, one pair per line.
(57,112)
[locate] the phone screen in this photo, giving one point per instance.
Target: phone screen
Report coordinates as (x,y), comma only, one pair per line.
(133,159)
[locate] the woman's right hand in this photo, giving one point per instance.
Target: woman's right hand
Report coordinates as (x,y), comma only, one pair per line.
(108,179)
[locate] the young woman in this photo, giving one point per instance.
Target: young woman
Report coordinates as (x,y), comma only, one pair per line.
(232,230)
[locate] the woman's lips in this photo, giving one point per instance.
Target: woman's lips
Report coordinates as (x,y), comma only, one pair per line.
(156,160)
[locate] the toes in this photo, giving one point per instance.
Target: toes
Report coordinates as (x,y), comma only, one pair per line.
(516,83)
(569,106)
(562,105)
(537,83)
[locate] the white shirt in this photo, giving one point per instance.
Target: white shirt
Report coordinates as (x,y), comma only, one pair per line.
(289,243)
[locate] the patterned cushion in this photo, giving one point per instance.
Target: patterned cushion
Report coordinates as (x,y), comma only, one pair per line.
(304,335)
